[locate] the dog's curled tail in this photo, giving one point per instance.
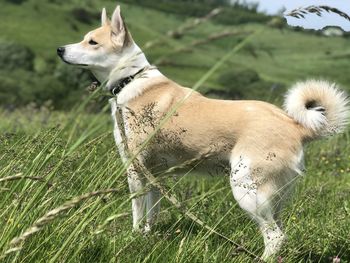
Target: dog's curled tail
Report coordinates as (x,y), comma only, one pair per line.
(319,106)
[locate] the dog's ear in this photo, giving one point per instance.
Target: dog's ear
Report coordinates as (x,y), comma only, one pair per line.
(117,21)
(104,17)
(120,34)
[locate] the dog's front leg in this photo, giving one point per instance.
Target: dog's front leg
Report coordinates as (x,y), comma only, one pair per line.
(135,180)
(152,208)
(136,186)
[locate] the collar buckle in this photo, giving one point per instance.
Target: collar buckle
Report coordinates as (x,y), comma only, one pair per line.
(116,89)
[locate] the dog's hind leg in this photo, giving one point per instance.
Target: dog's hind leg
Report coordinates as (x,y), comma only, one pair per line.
(152,208)
(257,201)
(273,235)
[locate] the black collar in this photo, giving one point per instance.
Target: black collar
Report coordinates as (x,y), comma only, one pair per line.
(116,88)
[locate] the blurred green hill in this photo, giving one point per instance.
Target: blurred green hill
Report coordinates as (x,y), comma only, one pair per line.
(31,30)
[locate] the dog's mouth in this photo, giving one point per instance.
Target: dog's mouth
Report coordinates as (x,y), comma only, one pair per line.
(73,64)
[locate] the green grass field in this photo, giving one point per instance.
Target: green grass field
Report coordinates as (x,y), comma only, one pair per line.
(70,155)
(53,162)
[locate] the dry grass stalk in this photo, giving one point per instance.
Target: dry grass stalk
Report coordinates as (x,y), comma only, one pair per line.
(189,163)
(302,11)
(20,176)
(179,32)
(195,43)
(101,227)
(51,215)
(179,252)
(217,36)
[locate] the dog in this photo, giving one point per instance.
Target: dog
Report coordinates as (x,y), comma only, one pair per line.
(258,144)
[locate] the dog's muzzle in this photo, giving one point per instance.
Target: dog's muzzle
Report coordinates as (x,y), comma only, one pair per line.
(60,51)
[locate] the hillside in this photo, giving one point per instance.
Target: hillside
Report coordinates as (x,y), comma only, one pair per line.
(273,60)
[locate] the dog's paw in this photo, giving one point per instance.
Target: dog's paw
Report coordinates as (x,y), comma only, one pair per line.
(137,230)
(147,229)
(142,230)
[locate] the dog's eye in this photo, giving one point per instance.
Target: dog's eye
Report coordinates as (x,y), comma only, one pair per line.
(91,42)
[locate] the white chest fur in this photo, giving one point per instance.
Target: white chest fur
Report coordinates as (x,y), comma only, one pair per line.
(137,86)
(129,92)
(117,116)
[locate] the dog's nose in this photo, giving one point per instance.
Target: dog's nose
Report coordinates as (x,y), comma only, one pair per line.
(60,51)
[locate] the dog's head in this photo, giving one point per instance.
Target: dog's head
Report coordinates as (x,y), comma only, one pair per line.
(101,48)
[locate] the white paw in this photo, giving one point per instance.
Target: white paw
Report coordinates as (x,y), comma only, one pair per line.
(273,244)
(147,228)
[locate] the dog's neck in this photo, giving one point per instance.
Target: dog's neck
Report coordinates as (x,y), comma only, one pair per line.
(129,62)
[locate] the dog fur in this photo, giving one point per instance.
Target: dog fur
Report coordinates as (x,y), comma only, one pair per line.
(257,144)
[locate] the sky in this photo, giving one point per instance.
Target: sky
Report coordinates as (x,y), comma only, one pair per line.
(311,21)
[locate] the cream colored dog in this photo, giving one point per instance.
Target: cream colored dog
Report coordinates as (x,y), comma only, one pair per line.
(259,145)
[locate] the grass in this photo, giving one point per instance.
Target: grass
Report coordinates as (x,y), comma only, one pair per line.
(98,228)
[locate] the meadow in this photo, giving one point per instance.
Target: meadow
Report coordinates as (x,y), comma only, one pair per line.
(63,190)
